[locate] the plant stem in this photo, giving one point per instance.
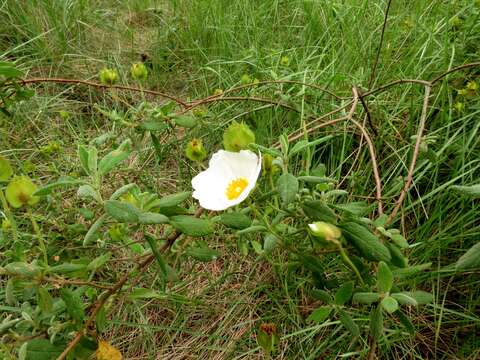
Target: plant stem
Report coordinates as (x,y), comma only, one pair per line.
(9,215)
(43,248)
(349,263)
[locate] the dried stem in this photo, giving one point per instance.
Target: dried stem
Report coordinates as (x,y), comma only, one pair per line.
(371,149)
(408,182)
(103,86)
(380,44)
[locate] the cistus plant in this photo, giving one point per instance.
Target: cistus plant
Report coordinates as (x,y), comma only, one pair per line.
(60,292)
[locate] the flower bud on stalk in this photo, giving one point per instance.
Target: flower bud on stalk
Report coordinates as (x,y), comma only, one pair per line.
(195,150)
(237,137)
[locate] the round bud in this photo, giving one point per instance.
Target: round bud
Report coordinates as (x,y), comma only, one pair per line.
(237,137)
(108,76)
(195,150)
(325,231)
(20,191)
(139,71)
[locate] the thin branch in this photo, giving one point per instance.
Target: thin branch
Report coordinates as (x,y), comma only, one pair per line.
(380,45)
(461,67)
(371,148)
(367,111)
(97,306)
(62,281)
(102,86)
(266,82)
(408,182)
(239,98)
(396,82)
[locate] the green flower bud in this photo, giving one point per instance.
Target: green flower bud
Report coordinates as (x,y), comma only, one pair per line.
(459,106)
(108,76)
(217,92)
(472,86)
(325,231)
(195,150)
(139,71)
(6,224)
(200,112)
(5,169)
(51,148)
(20,191)
(285,61)
(237,137)
(455,22)
(245,79)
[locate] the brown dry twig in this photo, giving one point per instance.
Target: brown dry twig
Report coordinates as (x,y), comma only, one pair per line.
(103,86)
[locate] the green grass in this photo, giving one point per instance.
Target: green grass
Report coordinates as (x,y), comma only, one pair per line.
(194,47)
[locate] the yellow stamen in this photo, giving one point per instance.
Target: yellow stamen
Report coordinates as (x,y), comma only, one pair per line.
(236,187)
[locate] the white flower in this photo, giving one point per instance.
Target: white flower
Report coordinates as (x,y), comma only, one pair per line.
(229,179)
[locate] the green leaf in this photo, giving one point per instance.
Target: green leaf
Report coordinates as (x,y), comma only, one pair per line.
(115,157)
(471,190)
(101,319)
(98,262)
(43,349)
(123,212)
(44,300)
(287,188)
(49,188)
(303,144)
(344,293)
(376,322)
(87,192)
(322,295)
(66,268)
(10,298)
(90,236)
(23,269)
(411,270)
(469,260)
(365,297)
(348,322)
(83,156)
(192,226)
(366,242)
(384,278)
(264,150)
(142,293)
(421,297)
(10,71)
(152,218)
(389,304)
(252,229)
(404,299)
(359,208)
(202,253)
(92,160)
(270,241)
(185,121)
(320,314)
(158,257)
(315,179)
(171,200)
(397,257)
(6,170)
(235,220)
(74,305)
(319,211)
(122,190)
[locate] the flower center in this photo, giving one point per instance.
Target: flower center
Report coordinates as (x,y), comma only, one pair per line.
(235,188)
